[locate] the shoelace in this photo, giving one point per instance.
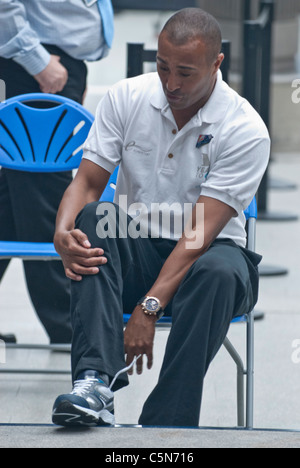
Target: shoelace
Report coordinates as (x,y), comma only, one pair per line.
(81,387)
(122,371)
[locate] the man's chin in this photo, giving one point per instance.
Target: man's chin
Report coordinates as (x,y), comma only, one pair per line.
(177,105)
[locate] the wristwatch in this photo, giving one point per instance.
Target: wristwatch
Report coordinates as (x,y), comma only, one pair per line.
(151,306)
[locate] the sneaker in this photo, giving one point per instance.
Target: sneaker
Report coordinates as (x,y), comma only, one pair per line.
(91,403)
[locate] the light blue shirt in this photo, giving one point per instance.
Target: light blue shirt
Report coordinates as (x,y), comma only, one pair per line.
(73,25)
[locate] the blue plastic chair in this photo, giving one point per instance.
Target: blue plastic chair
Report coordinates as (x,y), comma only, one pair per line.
(40,133)
(36,139)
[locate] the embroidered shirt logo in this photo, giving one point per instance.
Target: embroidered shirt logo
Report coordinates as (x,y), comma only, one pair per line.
(203,140)
(203,171)
(133,146)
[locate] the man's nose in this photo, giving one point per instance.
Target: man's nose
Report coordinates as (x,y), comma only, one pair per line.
(172,84)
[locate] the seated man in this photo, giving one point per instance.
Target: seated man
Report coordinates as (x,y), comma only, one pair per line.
(182,138)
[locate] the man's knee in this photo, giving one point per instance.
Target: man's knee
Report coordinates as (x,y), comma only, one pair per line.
(214,270)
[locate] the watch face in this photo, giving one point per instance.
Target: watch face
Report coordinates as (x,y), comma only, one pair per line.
(152,304)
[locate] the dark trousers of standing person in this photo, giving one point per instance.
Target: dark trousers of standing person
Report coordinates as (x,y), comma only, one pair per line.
(221,284)
(29,204)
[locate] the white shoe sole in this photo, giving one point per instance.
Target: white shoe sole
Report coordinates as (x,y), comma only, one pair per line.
(69,414)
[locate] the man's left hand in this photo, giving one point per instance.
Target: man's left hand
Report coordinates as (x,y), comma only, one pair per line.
(139,339)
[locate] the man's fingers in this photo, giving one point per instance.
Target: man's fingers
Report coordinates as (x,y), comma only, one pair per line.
(139,362)
(72,276)
(56,57)
(150,360)
(139,365)
(82,266)
(129,360)
(88,262)
(82,246)
(81,238)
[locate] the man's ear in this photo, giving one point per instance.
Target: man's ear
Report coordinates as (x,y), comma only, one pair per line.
(218,62)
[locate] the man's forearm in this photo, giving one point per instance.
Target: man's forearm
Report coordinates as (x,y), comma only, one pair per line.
(71,204)
(73,245)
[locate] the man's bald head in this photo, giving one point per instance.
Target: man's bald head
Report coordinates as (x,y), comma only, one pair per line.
(193,23)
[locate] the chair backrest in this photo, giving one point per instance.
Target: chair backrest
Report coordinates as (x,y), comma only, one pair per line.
(251,211)
(42,132)
(109,191)
(137,56)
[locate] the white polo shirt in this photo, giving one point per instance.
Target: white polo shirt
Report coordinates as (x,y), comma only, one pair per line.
(222,152)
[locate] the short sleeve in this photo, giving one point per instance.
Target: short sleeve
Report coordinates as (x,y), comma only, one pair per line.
(104,143)
(241,161)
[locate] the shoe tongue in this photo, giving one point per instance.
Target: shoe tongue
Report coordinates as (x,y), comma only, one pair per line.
(88,374)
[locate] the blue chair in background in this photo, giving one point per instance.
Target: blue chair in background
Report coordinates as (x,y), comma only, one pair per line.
(40,133)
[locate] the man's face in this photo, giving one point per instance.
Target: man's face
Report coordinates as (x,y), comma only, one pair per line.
(185,73)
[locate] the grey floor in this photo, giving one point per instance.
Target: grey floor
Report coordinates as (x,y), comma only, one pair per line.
(26,400)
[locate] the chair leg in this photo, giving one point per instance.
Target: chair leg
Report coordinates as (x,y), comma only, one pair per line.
(250,372)
(240,381)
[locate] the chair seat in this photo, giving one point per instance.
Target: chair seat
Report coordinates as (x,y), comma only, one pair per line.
(167,321)
(28,250)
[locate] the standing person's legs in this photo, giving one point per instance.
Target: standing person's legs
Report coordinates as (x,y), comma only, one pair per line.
(7,224)
(222,284)
(7,233)
(48,286)
(34,200)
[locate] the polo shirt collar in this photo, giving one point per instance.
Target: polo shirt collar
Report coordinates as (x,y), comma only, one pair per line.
(213,111)
(158,98)
(217,105)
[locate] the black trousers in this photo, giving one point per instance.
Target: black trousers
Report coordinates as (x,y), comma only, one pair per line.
(221,285)
(29,203)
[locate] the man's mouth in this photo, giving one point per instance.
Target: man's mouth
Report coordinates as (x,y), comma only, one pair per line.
(173,97)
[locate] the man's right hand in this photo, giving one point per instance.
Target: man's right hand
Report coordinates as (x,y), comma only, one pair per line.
(78,257)
(54,77)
